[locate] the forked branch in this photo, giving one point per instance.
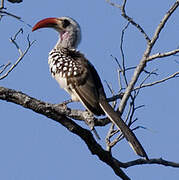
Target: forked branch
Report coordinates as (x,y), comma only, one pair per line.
(174,75)
(139,69)
(57,113)
(21,54)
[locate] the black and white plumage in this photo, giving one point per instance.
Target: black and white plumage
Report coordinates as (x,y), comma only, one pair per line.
(70,69)
(78,77)
(61,62)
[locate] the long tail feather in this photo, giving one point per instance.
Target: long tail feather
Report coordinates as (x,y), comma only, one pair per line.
(128,134)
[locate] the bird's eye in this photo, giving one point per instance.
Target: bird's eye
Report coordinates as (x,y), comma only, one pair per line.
(66,23)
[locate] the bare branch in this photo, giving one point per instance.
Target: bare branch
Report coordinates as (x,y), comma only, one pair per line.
(116,140)
(4,66)
(175,75)
(119,71)
(146,54)
(144,80)
(150,161)
(13,40)
(163,22)
(128,112)
(9,14)
(113,98)
(5,13)
(151,73)
(112,92)
(132,108)
(108,136)
(57,113)
(122,53)
(129,19)
(21,53)
(162,55)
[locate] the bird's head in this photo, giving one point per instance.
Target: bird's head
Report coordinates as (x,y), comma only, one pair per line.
(68,28)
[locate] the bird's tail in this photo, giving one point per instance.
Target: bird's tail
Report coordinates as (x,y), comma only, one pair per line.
(128,134)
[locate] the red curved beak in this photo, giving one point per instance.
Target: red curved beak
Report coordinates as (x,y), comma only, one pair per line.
(45,23)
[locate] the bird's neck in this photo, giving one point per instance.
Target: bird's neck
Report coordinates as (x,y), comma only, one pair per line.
(67,40)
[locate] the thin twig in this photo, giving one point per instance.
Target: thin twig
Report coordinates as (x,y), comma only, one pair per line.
(162,55)
(4,66)
(133,67)
(119,80)
(150,161)
(115,97)
(119,70)
(108,137)
(13,40)
(132,109)
(151,73)
(131,121)
(146,54)
(117,62)
(10,14)
(148,76)
(128,112)
(116,140)
(113,93)
(137,91)
(163,22)
(122,53)
(3,13)
(22,54)
(111,129)
(129,19)
(175,75)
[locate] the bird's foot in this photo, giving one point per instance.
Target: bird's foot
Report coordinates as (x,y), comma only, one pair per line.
(64,103)
(89,120)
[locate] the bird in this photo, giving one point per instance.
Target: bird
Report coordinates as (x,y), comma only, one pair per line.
(76,75)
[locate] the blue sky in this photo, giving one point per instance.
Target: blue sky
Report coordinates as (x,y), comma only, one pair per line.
(33,147)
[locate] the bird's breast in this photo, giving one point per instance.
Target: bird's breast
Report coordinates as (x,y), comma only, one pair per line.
(63,68)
